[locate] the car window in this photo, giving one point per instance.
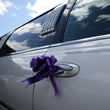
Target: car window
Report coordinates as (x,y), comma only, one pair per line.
(28,36)
(88,18)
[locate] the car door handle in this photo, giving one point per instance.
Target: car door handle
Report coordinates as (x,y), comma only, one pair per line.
(70,69)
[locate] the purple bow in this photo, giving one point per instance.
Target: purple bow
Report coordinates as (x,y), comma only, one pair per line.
(45,67)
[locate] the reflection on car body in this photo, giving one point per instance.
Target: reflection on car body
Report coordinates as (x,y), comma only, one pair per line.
(77,32)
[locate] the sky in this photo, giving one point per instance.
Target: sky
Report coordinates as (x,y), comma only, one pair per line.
(14,13)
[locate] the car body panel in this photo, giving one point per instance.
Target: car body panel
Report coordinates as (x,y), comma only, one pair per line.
(89,90)
(13,70)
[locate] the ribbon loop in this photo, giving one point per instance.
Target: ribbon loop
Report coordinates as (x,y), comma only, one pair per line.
(45,67)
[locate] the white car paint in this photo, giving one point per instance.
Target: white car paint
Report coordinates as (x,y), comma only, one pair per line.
(90,89)
(14,69)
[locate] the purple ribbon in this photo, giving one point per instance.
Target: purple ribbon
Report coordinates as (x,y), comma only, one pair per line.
(44,67)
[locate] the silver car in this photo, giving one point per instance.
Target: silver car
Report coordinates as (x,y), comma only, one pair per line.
(78,35)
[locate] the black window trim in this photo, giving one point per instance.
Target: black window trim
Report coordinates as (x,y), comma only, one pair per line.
(36,17)
(5,38)
(32,49)
(59,35)
(100,37)
(69,6)
(67,17)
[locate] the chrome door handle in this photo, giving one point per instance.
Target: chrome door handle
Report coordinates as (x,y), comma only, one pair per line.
(70,69)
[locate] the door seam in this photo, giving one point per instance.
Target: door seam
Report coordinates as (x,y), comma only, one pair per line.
(33,93)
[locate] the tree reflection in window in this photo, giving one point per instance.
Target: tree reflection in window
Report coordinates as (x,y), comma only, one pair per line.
(88,18)
(28,36)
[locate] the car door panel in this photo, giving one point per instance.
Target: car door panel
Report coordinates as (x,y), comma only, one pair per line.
(16,52)
(14,69)
(89,90)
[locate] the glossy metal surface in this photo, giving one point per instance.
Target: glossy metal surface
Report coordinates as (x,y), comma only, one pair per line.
(90,89)
(70,70)
(14,69)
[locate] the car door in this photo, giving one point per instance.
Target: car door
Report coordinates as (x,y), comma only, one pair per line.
(16,54)
(86,44)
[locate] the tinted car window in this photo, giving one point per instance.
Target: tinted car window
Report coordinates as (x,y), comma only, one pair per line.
(88,18)
(28,36)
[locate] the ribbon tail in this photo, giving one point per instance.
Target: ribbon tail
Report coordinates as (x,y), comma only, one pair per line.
(54,85)
(32,79)
(35,79)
